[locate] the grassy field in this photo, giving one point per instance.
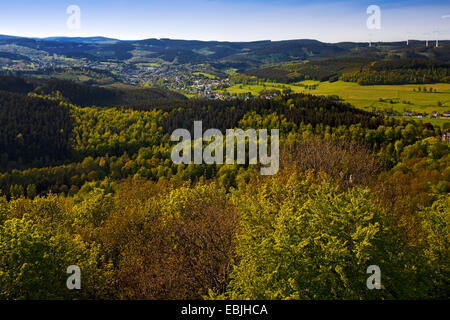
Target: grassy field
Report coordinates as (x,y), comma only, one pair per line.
(433,121)
(206,75)
(256,89)
(396,97)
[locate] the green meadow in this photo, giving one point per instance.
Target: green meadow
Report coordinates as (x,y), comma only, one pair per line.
(380,97)
(206,75)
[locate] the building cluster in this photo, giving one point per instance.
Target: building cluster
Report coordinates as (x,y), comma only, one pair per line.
(433,114)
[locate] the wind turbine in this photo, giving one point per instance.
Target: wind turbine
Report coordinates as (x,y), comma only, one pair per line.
(436,33)
(408,35)
(427,38)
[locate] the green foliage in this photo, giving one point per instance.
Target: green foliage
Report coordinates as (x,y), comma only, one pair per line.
(85,95)
(324,70)
(401,71)
(34,261)
(33,130)
(436,225)
(141,227)
(302,238)
(100,132)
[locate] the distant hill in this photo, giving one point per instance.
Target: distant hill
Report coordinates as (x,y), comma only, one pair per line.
(243,55)
(5,37)
(81,40)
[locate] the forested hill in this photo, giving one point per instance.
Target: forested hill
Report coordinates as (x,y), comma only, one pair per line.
(96,187)
(401,71)
(221,55)
(295,108)
(36,128)
(88,95)
(181,51)
(324,70)
(370,70)
(33,129)
(15,84)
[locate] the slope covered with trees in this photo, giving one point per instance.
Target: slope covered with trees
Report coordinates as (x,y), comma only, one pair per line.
(354,189)
(323,70)
(297,235)
(85,95)
(33,129)
(401,71)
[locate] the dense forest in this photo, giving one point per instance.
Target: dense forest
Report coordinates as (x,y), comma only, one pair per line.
(15,84)
(370,70)
(33,129)
(322,70)
(354,189)
(401,71)
(88,95)
(115,137)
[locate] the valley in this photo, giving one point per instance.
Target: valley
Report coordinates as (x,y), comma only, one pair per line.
(92,176)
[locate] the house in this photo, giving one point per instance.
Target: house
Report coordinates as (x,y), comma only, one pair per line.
(446,137)
(435,114)
(408,113)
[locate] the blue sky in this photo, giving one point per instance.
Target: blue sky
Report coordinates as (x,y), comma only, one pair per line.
(230,20)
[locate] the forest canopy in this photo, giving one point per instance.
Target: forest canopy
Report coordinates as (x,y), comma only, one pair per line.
(94,186)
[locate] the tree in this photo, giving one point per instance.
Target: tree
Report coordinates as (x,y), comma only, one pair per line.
(302,238)
(436,225)
(33,264)
(16,191)
(31,191)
